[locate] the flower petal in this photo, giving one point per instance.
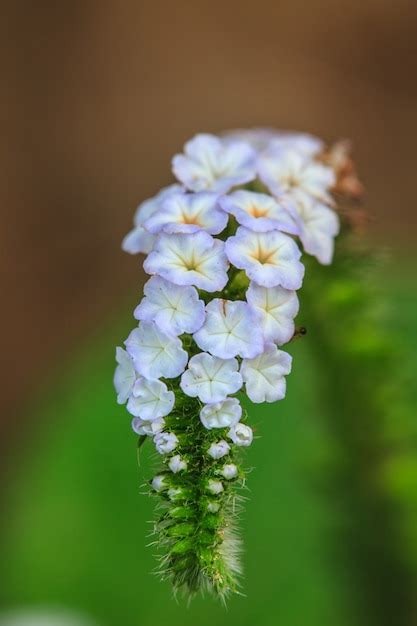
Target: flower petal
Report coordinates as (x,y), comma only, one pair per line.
(156,354)
(211,379)
(269,259)
(264,375)
(231,328)
(189,259)
(277,307)
(175,309)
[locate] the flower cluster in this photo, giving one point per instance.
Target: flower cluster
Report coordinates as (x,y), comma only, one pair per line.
(223,248)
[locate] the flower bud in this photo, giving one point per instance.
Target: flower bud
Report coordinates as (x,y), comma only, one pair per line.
(214,486)
(219,449)
(159,483)
(165,442)
(241,434)
(177,464)
(230,471)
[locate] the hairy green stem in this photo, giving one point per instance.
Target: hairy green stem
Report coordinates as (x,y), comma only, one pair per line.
(196,529)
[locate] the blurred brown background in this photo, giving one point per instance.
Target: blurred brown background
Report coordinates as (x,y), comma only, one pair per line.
(99,95)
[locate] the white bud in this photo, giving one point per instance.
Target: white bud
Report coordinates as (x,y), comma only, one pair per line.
(229,471)
(177,464)
(215,487)
(165,442)
(142,427)
(158,483)
(241,434)
(219,449)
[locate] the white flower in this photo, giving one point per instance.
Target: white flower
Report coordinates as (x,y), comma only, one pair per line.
(263,138)
(213,507)
(258,138)
(156,354)
(259,211)
(241,435)
(277,307)
(231,328)
(219,449)
(319,227)
(150,400)
(303,143)
(214,486)
(264,375)
(288,171)
(221,414)
(124,375)
(188,213)
(159,483)
(210,163)
(189,259)
(229,471)
(174,309)
(139,239)
(269,259)
(177,464)
(165,442)
(211,379)
(143,427)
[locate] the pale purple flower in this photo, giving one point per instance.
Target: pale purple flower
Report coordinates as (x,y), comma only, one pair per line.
(289,172)
(262,139)
(189,259)
(175,309)
(303,143)
(319,227)
(156,354)
(124,375)
(221,414)
(150,400)
(144,427)
(259,211)
(264,375)
(139,239)
(231,328)
(277,308)
(188,213)
(269,259)
(211,379)
(210,163)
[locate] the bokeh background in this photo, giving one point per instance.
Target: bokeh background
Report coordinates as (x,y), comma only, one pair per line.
(97,97)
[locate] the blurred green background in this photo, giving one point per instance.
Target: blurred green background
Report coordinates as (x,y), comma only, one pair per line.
(97,97)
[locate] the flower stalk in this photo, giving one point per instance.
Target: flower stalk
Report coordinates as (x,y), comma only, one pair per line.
(224,259)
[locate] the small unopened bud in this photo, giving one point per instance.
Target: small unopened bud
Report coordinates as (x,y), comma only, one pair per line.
(214,486)
(229,471)
(219,449)
(159,483)
(177,464)
(165,442)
